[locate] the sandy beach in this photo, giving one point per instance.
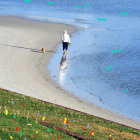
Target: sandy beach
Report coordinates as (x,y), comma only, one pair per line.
(23,66)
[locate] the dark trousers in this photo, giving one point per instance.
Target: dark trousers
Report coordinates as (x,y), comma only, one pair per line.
(65,46)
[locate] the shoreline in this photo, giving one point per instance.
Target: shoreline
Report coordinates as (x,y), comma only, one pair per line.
(44,85)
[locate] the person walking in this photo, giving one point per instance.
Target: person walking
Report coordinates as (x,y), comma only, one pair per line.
(65,41)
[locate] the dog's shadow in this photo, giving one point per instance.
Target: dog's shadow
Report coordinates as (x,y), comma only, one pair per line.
(32,50)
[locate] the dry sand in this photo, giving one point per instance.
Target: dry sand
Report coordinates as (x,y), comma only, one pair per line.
(23,66)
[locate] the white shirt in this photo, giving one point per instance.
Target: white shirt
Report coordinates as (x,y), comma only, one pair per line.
(65,38)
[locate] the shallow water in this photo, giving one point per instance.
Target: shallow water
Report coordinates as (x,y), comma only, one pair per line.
(91,71)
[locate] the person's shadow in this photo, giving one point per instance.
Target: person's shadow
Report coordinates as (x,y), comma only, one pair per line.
(32,50)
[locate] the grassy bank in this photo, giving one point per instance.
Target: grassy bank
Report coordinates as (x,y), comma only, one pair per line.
(27,111)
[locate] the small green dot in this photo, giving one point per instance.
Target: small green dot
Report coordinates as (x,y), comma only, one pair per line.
(79,7)
(87,5)
(126,90)
(9,134)
(50,2)
(27,0)
(48,130)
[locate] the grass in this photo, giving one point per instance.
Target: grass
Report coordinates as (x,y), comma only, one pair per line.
(33,111)
(25,131)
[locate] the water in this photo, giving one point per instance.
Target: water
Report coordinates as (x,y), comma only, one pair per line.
(84,71)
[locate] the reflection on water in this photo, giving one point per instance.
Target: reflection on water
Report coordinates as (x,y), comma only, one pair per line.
(62,69)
